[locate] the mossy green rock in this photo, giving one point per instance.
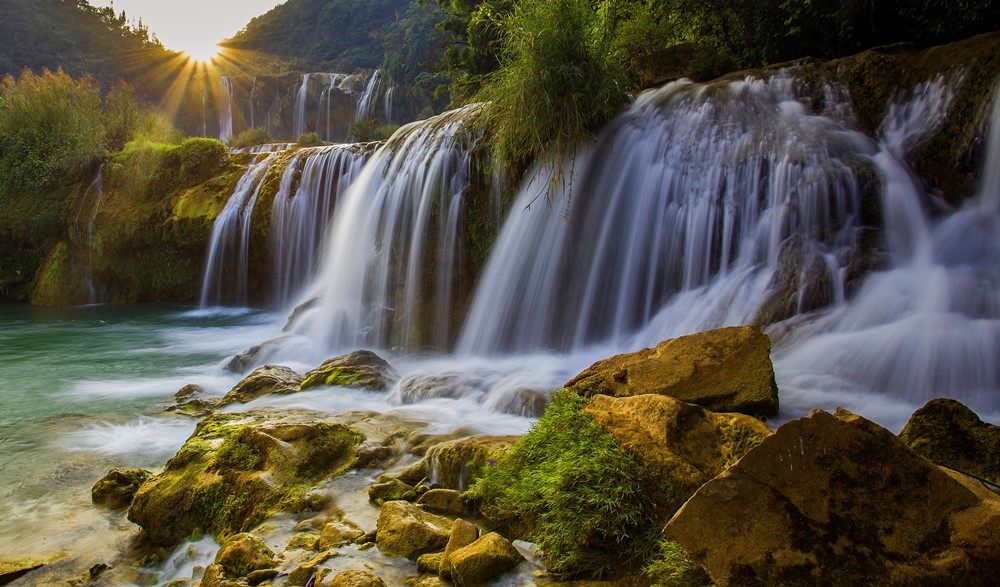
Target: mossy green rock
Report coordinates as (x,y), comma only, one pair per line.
(116,489)
(361,369)
(390,490)
(456,464)
(404,529)
(834,499)
(948,433)
(263,381)
(356,578)
(237,469)
(724,370)
(242,554)
(483,560)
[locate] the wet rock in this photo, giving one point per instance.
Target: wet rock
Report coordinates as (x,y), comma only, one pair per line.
(263,381)
(391,489)
(258,577)
(256,355)
(801,283)
(484,560)
(188,392)
(462,534)
(456,464)
(427,582)
(116,489)
(361,369)
(682,445)
(298,312)
(14,569)
(357,579)
(950,434)
(242,554)
(430,562)
(195,408)
(404,529)
(303,541)
(724,370)
(417,387)
(446,502)
(237,469)
(838,500)
(338,534)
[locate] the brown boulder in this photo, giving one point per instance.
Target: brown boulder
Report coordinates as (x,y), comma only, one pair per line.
(242,554)
(263,381)
(950,434)
(116,489)
(724,370)
(838,500)
(456,464)
(362,369)
(447,502)
(404,529)
(483,560)
(357,579)
(462,534)
(683,445)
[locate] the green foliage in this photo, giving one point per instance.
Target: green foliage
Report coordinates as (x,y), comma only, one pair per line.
(249,138)
(200,159)
(581,494)
(308,139)
(559,82)
(672,567)
(710,62)
(368,130)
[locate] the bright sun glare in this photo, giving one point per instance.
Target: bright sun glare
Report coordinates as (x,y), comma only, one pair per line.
(202,53)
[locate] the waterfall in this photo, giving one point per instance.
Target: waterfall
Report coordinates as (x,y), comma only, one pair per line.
(684,202)
(388,103)
(364,110)
(387,276)
(227,259)
(299,115)
(334,81)
(96,187)
(990,191)
(299,217)
(253,92)
(226,109)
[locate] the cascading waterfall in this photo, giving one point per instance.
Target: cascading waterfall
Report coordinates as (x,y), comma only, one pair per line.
(299,217)
(225,109)
(334,81)
(684,203)
(253,93)
(97,188)
(393,243)
(225,277)
(389,95)
(367,97)
(299,115)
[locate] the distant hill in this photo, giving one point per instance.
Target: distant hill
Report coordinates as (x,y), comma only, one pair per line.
(77,37)
(339,35)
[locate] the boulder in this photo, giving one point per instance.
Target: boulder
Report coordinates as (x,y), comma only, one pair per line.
(950,434)
(682,445)
(237,469)
(724,370)
(338,534)
(263,381)
(188,392)
(257,354)
(446,502)
(404,529)
(390,489)
(838,500)
(303,541)
(430,563)
(483,560)
(462,534)
(361,369)
(357,579)
(242,554)
(116,489)
(195,408)
(456,464)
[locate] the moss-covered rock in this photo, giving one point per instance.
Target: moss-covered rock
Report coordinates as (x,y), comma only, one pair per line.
(456,464)
(390,489)
(357,578)
(242,554)
(724,370)
(362,369)
(446,502)
(236,469)
(404,529)
(116,489)
(263,381)
(833,499)
(948,433)
(462,534)
(484,560)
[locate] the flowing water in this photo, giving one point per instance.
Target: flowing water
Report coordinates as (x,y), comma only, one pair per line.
(225,108)
(699,207)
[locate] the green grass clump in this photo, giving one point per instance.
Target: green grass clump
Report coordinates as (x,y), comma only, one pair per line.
(672,567)
(309,139)
(249,138)
(574,492)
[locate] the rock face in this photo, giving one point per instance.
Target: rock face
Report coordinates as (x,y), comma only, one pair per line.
(404,529)
(263,381)
(950,434)
(362,369)
(838,500)
(724,370)
(483,560)
(683,444)
(116,489)
(238,468)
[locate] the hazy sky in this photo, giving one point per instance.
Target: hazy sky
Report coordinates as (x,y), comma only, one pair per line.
(192,25)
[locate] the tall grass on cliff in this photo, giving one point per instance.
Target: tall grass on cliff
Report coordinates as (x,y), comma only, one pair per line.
(558,83)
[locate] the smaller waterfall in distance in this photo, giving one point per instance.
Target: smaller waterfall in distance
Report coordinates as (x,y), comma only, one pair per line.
(225,277)
(299,217)
(97,188)
(225,109)
(367,97)
(253,93)
(324,112)
(386,279)
(299,115)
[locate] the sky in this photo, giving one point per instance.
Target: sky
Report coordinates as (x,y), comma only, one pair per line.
(192,26)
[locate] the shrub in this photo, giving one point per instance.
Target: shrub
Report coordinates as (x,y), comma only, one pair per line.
(709,63)
(308,139)
(368,130)
(201,158)
(579,495)
(249,138)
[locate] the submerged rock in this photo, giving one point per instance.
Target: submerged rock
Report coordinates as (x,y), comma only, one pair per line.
(724,370)
(236,469)
(116,489)
(838,500)
(404,529)
(242,362)
(948,433)
(362,369)
(263,381)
